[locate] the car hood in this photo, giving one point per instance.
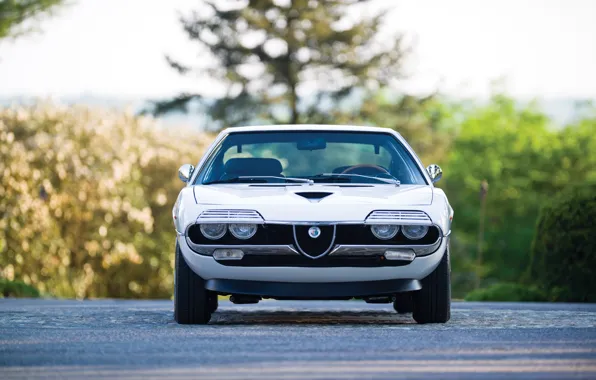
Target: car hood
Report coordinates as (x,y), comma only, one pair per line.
(240,194)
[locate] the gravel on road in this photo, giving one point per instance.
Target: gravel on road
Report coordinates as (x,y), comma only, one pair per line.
(294,340)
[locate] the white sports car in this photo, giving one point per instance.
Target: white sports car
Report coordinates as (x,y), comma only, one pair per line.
(312,212)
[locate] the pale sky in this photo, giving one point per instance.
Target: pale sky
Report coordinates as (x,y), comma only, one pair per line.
(544,48)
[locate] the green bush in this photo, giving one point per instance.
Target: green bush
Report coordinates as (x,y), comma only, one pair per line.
(564,247)
(86,200)
(16,289)
(507,292)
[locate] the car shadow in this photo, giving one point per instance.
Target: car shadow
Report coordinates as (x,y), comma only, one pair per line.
(300,317)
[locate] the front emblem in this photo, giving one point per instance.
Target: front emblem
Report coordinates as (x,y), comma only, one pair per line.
(314,232)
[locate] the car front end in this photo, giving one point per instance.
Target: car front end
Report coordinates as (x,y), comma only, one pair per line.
(352,233)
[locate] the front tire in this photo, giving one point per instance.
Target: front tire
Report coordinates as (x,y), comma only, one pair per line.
(191,299)
(213,302)
(432,303)
(403,303)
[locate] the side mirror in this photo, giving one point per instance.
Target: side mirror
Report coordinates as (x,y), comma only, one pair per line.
(185,172)
(435,172)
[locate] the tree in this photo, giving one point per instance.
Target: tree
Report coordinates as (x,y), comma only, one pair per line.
(510,149)
(14,15)
(269,53)
(426,123)
(525,161)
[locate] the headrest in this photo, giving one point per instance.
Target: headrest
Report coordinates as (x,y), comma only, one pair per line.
(253,166)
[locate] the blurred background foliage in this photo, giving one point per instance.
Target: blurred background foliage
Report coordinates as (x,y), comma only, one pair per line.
(85,200)
(564,248)
(86,194)
(526,160)
(16,16)
(269,53)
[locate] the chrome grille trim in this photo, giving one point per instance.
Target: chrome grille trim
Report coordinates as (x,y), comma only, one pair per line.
(230,216)
(331,245)
(338,250)
(375,250)
(398,217)
(247,249)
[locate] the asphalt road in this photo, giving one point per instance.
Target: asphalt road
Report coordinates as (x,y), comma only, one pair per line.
(294,340)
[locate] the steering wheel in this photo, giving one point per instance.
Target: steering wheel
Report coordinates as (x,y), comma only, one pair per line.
(377,168)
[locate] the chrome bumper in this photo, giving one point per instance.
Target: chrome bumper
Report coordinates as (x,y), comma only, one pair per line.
(338,250)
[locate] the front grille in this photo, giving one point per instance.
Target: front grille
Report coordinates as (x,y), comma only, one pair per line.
(323,262)
(267,234)
(358,234)
(283,234)
(313,247)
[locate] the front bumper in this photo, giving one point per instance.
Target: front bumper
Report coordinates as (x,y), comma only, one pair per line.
(312,290)
(208,268)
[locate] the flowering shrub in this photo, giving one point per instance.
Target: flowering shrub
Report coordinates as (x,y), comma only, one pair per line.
(85,200)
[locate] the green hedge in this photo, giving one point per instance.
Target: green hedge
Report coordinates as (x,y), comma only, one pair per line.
(16,289)
(507,292)
(564,247)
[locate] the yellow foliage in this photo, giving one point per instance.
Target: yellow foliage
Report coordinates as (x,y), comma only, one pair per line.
(86,198)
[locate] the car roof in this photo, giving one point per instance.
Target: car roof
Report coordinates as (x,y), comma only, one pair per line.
(307,127)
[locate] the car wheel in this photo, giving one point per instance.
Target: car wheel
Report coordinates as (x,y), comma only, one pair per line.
(432,303)
(213,302)
(403,303)
(191,299)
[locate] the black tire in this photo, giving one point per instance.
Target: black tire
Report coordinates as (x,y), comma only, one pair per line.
(432,304)
(403,303)
(213,302)
(191,299)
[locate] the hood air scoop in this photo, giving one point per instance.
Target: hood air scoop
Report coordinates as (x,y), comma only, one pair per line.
(314,196)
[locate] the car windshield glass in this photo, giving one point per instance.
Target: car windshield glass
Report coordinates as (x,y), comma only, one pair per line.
(319,156)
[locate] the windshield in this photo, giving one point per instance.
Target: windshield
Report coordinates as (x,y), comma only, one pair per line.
(298,157)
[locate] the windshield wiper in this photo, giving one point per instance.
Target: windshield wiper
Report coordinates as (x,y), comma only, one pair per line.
(257,178)
(393,181)
(304,180)
(231,180)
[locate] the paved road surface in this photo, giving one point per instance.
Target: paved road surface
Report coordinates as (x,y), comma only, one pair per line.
(294,340)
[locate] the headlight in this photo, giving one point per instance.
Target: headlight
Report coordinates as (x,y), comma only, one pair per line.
(243,231)
(414,232)
(384,231)
(213,231)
